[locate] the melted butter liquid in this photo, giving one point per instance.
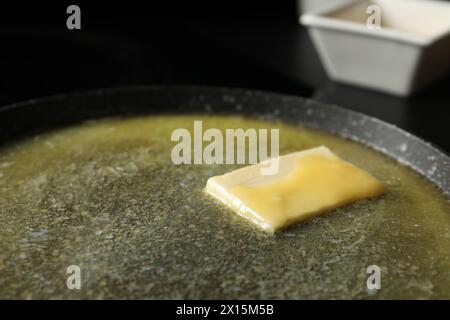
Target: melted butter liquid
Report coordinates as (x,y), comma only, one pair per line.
(105,196)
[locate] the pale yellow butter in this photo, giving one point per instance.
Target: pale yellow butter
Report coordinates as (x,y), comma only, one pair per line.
(307,184)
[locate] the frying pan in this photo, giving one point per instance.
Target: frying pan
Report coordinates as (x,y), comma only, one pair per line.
(26,117)
(32,116)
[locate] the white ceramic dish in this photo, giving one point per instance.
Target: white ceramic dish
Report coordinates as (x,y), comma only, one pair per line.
(408,52)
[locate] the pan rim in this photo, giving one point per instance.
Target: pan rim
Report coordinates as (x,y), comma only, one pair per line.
(437,151)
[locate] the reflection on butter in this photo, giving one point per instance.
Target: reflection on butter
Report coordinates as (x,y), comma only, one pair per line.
(307,184)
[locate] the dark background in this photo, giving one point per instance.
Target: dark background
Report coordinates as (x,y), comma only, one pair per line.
(250,44)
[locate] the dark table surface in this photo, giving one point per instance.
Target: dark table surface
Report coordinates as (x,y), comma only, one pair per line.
(264,51)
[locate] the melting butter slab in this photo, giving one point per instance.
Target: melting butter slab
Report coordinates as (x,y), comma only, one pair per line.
(307,184)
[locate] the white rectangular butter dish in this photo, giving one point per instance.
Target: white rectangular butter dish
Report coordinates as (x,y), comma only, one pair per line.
(408,52)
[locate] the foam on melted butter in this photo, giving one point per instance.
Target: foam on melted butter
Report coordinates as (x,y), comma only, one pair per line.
(308,183)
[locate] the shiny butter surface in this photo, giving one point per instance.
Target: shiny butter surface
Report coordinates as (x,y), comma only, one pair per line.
(308,183)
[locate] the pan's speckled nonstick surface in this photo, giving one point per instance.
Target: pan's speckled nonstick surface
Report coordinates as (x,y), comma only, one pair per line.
(134,239)
(398,144)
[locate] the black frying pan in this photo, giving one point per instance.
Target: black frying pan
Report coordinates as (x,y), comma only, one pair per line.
(20,118)
(166,272)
